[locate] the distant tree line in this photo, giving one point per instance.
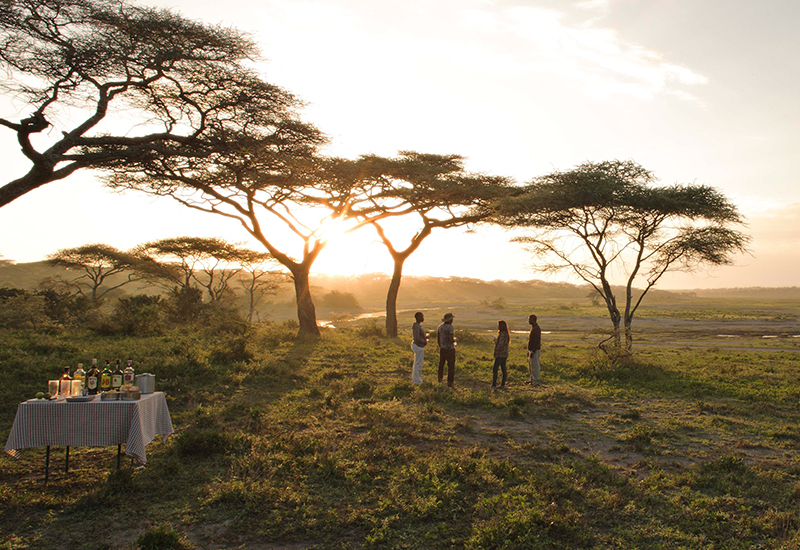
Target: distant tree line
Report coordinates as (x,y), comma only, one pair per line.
(208,132)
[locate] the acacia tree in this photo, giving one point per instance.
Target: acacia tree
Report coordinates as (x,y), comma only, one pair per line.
(106,82)
(262,182)
(98,262)
(605,220)
(255,280)
(183,262)
(428,191)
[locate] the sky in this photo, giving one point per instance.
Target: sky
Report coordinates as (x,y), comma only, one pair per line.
(696,91)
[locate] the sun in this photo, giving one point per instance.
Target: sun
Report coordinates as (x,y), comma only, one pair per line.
(333,229)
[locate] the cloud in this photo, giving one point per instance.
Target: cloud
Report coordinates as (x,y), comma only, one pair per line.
(596,59)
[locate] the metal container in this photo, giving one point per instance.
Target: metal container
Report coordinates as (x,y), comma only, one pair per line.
(146,383)
(109,396)
(131,395)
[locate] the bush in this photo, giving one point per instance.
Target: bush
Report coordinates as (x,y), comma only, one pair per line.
(362,389)
(340,300)
(66,308)
(163,537)
(184,304)
(465,336)
(21,310)
(202,442)
(369,329)
(139,315)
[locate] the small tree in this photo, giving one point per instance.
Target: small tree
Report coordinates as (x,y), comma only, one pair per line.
(606,220)
(255,280)
(99,263)
(184,262)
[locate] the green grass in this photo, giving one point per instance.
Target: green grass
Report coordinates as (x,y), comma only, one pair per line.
(285,443)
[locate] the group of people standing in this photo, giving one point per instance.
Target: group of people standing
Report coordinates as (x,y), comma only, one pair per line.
(446,341)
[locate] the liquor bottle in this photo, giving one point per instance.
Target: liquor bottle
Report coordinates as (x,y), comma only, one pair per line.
(80,375)
(65,383)
(116,378)
(105,377)
(129,375)
(93,379)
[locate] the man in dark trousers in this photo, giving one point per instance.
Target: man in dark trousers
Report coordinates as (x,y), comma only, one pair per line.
(534,350)
(446,337)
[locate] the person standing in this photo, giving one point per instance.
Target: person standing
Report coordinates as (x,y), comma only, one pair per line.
(501,353)
(446,338)
(534,350)
(418,343)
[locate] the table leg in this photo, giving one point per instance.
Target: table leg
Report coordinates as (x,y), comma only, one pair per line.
(47,465)
(66,461)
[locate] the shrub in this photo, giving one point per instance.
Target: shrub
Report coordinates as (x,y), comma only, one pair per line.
(184,304)
(514,411)
(20,310)
(162,537)
(369,329)
(119,482)
(340,300)
(465,336)
(139,315)
(362,389)
(202,442)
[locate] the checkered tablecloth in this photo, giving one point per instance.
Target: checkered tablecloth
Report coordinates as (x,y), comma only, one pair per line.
(92,424)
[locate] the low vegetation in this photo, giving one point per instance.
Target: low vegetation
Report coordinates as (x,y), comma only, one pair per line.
(324,443)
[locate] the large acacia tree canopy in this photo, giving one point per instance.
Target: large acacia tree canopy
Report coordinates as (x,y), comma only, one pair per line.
(612,192)
(120,82)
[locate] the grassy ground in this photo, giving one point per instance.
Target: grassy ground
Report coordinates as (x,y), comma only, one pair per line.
(283,443)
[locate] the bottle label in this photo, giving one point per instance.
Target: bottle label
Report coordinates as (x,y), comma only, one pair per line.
(129,378)
(105,381)
(116,380)
(92,384)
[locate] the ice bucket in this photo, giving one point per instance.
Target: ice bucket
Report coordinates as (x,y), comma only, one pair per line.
(146,382)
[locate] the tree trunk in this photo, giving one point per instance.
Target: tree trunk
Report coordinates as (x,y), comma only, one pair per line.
(306,313)
(628,334)
(391,297)
(252,307)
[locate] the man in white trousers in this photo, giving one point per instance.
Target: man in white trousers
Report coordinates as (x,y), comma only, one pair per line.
(420,340)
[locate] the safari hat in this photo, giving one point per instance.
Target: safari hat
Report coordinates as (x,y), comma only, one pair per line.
(448,317)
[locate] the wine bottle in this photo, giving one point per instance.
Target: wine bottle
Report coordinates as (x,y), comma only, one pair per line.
(116,378)
(65,383)
(80,374)
(93,379)
(105,377)
(129,375)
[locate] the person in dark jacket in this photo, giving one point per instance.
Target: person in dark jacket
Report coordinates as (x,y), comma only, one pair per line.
(534,350)
(501,353)
(446,337)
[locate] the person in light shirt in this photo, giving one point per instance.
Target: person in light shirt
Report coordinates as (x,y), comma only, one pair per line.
(418,343)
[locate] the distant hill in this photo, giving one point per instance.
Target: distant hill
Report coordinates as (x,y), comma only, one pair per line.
(370,289)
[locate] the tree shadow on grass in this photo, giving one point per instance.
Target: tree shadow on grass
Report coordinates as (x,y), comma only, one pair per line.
(654,380)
